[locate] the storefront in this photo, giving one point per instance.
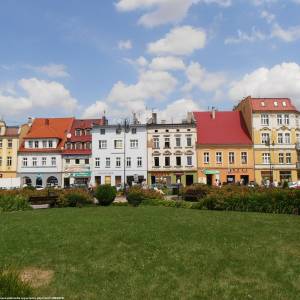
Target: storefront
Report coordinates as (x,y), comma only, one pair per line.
(77,178)
(168,178)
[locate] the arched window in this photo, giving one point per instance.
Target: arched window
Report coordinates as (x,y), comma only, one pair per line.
(52,181)
(27,181)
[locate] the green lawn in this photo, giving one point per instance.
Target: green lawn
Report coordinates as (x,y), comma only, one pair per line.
(156,252)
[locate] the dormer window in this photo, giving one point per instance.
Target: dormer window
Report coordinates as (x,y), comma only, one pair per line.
(50,143)
(88,131)
(284,103)
(36,144)
(78,146)
(275,103)
(68,146)
(102,131)
(262,103)
(30,144)
(78,132)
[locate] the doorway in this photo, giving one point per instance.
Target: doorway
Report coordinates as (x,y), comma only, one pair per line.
(230,179)
(245,179)
(209,179)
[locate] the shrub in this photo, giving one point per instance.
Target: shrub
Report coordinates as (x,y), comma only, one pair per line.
(12,286)
(13,203)
(135,197)
(105,194)
(73,198)
(195,192)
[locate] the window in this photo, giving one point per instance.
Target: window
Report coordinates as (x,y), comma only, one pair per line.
(275,103)
(264,119)
(167,161)
(231,158)
(167,142)
(97,162)
(189,160)
(53,161)
(118,144)
(78,146)
(156,143)
(298,138)
(24,162)
(279,119)
(288,158)
(0,161)
(9,161)
(206,157)
(189,141)
(118,130)
(78,132)
(280,138)
(9,143)
(219,157)
(102,131)
(30,144)
(1,144)
(77,161)
(134,144)
(45,144)
(34,161)
(178,161)
(139,162)
(283,103)
(265,138)
(178,142)
(156,161)
(286,119)
(133,130)
(118,162)
(87,161)
(281,158)
(102,144)
(107,162)
(266,158)
(50,143)
(68,160)
(88,131)
(88,145)
(287,138)
(128,162)
(244,158)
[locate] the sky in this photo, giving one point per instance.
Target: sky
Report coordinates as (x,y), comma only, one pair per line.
(86,58)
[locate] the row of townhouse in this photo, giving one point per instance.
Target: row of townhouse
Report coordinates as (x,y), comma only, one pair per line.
(258,141)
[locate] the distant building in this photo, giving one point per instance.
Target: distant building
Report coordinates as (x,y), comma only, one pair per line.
(224,148)
(78,152)
(172,152)
(274,127)
(40,154)
(110,163)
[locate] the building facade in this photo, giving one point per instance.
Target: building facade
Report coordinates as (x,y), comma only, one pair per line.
(40,154)
(274,127)
(110,163)
(10,139)
(78,153)
(224,148)
(172,152)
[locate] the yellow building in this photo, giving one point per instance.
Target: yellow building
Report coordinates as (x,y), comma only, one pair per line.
(10,137)
(224,148)
(274,127)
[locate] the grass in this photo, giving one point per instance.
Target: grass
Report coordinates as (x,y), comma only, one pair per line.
(155,253)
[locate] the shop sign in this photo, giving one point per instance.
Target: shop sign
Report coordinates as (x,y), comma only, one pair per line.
(81,174)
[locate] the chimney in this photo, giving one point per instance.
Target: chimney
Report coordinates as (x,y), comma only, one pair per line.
(213,113)
(190,117)
(29,121)
(135,119)
(154,118)
(47,122)
(104,121)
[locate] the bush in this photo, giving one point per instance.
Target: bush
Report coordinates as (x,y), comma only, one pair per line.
(105,194)
(12,286)
(195,192)
(135,197)
(74,198)
(13,203)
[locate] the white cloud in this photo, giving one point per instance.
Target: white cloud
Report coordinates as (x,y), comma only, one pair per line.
(51,70)
(40,96)
(269,17)
(279,81)
(254,36)
(95,110)
(163,11)
(290,34)
(202,79)
(167,63)
(179,41)
(125,45)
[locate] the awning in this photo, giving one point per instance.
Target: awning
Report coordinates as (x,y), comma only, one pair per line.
(211,172)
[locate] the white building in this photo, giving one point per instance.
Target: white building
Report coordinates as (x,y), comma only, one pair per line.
(110,164)
(40,155)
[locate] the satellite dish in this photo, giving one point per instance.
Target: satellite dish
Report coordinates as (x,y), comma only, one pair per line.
(69,135)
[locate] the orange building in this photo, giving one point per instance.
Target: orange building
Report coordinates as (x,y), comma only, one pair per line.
(224,148)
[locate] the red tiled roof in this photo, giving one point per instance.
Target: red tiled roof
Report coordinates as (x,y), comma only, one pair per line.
(269,104)
(77,152)
(228,128)
(48,128)
(11,131)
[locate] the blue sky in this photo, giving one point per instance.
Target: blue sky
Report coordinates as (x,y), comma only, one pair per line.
(63,58)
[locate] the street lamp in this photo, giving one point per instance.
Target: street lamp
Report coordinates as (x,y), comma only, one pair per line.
(126,127)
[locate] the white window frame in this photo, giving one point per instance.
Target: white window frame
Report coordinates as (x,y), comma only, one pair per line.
(244,157)
(206,157)
(24,162)
(134,144)
(97,162)
(118,162)
(53,161)
(102,144)
(219,158)
(139,162)
(266,159)
(231,158)
(264,119)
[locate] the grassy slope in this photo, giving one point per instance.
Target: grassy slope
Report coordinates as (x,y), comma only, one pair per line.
(155,252)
